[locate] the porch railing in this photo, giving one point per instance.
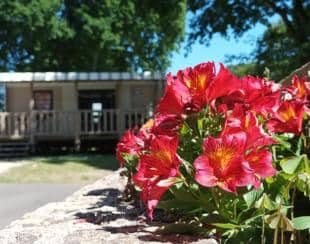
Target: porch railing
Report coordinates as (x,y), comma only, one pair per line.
(15,124)
(69,123)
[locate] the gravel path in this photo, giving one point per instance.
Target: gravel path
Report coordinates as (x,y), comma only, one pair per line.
(6,165)
(94,214)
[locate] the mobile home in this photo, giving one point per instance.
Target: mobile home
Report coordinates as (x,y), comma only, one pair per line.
(56,106)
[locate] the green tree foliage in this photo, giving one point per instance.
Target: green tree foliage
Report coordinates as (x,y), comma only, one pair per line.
(280,52)
(89,35)
(283,47)
(243,69)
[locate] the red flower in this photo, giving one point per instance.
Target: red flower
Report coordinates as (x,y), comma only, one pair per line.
(158,170)
(257,95)
(187,92)
(288,118)
(261,163)
(223,164)
(166,125)
(129,144)
(197,80)
(223,84)
(241,120)
(300,88)
(173,102)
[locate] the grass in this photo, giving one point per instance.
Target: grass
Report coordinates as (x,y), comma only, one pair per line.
(76,169)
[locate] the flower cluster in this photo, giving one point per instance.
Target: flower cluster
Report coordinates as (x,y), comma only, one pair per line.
(226,123)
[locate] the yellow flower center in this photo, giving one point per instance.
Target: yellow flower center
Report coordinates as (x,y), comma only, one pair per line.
(247,122)
(164,156)
(221,156)
(254,159)
(301,89)
(188,83)
(202,81)
(148,124)
(198,84)
(288,114)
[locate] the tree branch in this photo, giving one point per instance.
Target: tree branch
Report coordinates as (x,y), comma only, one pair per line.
(300,11)
(283,13)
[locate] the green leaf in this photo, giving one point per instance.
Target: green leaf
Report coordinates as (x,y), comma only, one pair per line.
(251,197)
(279,220)
(182,228)
(226,225)
(182,193)
(265,202)
(301,223)
(290,165)
(272,220)
(179,205)
(303,183)
(283,143)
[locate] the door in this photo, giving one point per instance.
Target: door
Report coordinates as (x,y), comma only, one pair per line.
(99,117)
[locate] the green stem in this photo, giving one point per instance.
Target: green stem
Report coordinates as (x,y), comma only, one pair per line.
(287,189)
(263,229)
(274,153)
(215,197)
(188,186)
(235,209)
(292,212)
(282,236)
(306,162)
(293,201)
(275,236)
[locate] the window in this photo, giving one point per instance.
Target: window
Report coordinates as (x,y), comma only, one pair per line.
(2,98)
(96,99)
(43,100)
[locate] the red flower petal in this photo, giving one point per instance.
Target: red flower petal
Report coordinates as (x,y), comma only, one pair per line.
(171,103)
(223,164)
(261,163)
(245,121)
(223,84)
(157,170)
(204,172)
(288,118)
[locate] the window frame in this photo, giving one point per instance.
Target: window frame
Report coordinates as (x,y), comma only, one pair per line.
(50,92)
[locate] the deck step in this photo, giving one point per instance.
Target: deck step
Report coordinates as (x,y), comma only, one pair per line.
(14,149)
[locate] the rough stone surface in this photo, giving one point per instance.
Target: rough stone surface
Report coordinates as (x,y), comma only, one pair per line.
(94,214)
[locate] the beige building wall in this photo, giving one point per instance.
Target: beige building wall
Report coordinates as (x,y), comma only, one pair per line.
(123,96)
(137,95)
(129,94)
(57,93)
(18,98)
(69,97)
(143,96)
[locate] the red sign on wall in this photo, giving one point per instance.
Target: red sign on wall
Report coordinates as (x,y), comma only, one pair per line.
(43,100)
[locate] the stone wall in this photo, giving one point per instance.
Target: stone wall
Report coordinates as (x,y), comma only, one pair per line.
(94,214)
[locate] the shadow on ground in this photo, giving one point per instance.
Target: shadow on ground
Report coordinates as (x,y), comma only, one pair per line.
(130,211)
(112,198)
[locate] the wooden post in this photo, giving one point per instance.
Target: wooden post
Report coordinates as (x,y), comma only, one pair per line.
(120,114)
(32,121)
(6,100)
(77,115)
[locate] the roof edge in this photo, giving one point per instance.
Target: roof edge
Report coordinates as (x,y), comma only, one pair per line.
(77,76)
(301,71)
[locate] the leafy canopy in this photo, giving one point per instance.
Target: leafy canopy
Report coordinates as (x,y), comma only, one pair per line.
(283,47)
(105,35)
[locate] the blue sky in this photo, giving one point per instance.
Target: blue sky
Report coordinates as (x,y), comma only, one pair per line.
(216,51)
